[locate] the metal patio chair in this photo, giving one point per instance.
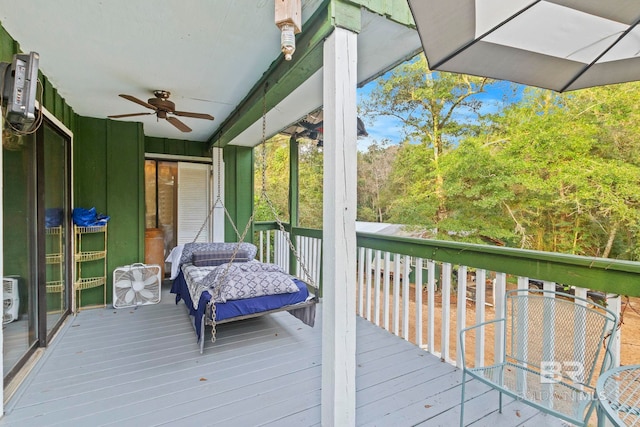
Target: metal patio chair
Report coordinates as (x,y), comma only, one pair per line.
(554,346)
(618,391)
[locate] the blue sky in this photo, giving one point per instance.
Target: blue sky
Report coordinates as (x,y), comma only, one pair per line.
(390,128)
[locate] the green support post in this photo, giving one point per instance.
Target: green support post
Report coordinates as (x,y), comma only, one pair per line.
(293,198)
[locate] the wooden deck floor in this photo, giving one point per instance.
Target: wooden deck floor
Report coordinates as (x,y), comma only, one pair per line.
(142,368)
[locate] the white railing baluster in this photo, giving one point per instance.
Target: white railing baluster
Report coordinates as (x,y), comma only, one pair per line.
(276,247)
(279,247)
(446,312)
(418,302)
(301,245)
(368,267)
(461,310)
(268,247)
(396,294)
(305,247)
(500,290)
(614,303)
(548,286)
(405,297)
(314,257)
(431,290)
(376,291)
(284,251)
(317,256)
(522,338)
(386,283)
(361,281)
(481,284)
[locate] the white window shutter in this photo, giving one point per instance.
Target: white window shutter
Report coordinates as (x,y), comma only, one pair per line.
(194,202)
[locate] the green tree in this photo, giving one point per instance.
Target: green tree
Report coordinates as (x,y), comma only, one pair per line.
(572,188)
(272,162)
(310,181)
(374,169)
(276,173)
(430,106)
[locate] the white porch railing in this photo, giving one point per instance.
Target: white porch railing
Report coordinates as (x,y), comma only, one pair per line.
(273,246)
(438,299)
(408,308)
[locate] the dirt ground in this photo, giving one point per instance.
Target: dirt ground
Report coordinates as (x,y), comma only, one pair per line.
(629,325)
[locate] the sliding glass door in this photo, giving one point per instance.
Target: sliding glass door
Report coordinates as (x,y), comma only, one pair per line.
(55,185)
(36,242)
(20,316)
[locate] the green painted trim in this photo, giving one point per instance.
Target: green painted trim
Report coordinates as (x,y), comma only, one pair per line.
(298,231)
(229,156)
(177,147)
(608,275)
(293,197)
(8,46)
(141,195)
(308,232)
(396,11)
(238,190)
(280,79)
(346,14)
(264,226)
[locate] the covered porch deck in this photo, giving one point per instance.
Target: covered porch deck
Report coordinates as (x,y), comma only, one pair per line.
(142,367)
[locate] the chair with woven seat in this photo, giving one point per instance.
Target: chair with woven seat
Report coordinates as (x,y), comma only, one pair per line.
(554,347)
(618,391)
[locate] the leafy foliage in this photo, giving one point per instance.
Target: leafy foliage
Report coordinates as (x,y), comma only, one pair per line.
(552,172)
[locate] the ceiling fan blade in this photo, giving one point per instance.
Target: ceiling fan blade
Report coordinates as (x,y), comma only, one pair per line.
(117,116)
(177,123)
(138,101)
(193,115)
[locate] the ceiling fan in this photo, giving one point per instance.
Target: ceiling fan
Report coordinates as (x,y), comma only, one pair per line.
(162,108)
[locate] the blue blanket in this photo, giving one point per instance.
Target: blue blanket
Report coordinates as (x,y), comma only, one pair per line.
(234,308)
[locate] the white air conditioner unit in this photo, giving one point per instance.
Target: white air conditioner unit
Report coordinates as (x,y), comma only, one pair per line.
(136,284)
(11,299)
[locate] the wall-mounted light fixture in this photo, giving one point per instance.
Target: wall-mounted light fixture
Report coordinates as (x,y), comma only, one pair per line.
(289,20)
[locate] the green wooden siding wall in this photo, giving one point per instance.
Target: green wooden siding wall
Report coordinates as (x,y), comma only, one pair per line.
(238,189)
(109,175)
(51,99)
(18,182)
(176,147)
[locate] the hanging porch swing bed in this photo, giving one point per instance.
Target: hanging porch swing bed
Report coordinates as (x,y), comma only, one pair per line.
(222,282)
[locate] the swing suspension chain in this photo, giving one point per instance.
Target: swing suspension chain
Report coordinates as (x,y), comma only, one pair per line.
(263,194)
(217,202)
(213,325)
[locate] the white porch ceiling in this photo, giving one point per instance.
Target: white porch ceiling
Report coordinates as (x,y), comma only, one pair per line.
(208,54)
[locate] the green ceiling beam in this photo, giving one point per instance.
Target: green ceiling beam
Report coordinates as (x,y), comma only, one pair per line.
(281,78)
(394,10)
(346,14)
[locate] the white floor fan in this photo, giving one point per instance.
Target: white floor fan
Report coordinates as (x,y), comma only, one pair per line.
(136,284)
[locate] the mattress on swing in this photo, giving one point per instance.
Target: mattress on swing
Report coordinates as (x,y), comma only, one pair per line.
(183,254)
(186,286)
